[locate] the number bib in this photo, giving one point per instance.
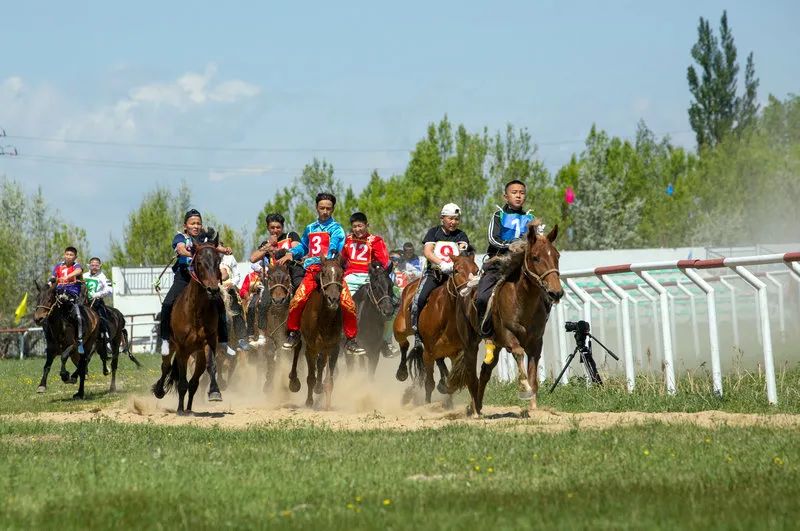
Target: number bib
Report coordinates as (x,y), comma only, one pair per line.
(287,243)
(514,225)
(446,250)
(318,244)
(359,251)
(91,286)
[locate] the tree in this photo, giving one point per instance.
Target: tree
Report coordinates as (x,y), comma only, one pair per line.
(716,110)
(148,234)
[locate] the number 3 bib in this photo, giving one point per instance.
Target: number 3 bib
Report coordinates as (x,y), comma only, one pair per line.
(446,250)
(318,244)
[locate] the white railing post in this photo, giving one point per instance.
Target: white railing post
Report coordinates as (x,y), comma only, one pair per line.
(693,309)
(562,342)
(637,329)
(627,349)
(669,364)
(656,331)
(618,316)
(763,303)
(713,334)
(781,316)
(734,314)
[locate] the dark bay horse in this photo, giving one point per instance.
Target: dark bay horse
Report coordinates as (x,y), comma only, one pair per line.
(274,304)
(520,311)
(438,323)
(118,338)
(194,322)
(53,314)
(321,330)
(374,308)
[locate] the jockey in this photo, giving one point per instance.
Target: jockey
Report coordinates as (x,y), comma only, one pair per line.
(361,249)
(67,276)
(182,243)
(275,247)
(97,288)
(231,281)
(252,282)
(252,289)
(323,238)
(508,225)
(440,243)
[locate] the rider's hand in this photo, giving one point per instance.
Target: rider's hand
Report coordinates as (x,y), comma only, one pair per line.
(446,267)
(285,259)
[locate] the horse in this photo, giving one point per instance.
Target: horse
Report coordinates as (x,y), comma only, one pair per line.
(274,306)
(519,312)
(53,314)
(194,327)
(321,331)
(234,312)
(118,338)
(374,308)
(438,324)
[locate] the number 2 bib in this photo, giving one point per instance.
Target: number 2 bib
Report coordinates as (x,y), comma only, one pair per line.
(514,225)
(318,244)
(446,250)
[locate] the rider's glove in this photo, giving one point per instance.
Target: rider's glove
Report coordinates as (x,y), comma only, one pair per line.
(446,267)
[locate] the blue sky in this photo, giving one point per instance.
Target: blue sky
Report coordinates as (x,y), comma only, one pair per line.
(364,78)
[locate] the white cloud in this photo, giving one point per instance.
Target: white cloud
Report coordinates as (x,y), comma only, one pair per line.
(221,175)
(12,85)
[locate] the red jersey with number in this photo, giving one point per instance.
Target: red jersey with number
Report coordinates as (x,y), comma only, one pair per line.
(360,252)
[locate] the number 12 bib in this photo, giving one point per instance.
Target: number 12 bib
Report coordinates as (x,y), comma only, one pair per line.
(318,244)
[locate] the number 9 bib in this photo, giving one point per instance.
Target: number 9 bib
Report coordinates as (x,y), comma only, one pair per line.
(446,250)
(318,244)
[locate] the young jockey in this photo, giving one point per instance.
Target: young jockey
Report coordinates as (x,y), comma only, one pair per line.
(231,280)
(323,238)
(97,288)
(508,225)
(67,276)
(439,244)
(182,244)
(275,247)
(360,249)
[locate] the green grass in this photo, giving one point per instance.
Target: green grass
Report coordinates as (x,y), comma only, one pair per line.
(103,474)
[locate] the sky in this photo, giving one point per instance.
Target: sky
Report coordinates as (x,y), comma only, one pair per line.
(104,101)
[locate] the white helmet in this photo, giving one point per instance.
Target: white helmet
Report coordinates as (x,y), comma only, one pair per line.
(450,209)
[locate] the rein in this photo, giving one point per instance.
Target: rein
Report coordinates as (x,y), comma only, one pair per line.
(456,287)
(372,296)
(538,278)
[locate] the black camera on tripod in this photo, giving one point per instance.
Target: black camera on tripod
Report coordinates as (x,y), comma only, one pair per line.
(580,329)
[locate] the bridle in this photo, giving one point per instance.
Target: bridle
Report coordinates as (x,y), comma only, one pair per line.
(539,279)
(324,285)
(456,287)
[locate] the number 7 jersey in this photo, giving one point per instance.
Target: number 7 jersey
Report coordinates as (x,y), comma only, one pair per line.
(360,252)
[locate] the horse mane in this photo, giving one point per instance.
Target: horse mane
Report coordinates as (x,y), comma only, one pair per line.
(511,262)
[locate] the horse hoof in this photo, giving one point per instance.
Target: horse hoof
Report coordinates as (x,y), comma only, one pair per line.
(73,380)
(112,389)
(182,413)
(310,402)
(158,392)
(402,374)
(41,389)
(294,385)
(318,389)
(78,396)
(65,377)
(106,372)
(525,395)
(214,396)
(442,387)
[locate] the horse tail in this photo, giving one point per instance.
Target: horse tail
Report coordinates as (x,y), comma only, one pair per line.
(416,363)
(457,379)
(127,348)
(172,377)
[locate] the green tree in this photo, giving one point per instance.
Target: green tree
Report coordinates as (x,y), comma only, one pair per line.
(149,231)
(716,110)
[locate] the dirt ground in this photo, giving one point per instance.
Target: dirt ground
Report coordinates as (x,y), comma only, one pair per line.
(360,404)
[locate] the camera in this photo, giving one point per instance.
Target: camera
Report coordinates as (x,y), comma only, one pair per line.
(580,327)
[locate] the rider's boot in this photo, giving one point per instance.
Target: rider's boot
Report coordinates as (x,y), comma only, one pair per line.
(292,339)
(488,358)
(353,347)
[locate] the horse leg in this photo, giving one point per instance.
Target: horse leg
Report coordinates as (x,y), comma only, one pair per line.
(402,370)
(270,372)
(443,372)
(294,381)
(311,379)
(51,355)
(114,364)
(524,390)
(332,358)
(320,370)
(486,375)
(83,362)
(158,387)
(429,382)
(102,351)
(534,354)
(211,368)
(183,385)
(63,372)
(194,383)
(374,356)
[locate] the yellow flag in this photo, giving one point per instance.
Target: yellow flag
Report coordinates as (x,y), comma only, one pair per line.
(22,309)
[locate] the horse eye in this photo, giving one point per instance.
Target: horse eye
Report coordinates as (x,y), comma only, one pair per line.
(537,259)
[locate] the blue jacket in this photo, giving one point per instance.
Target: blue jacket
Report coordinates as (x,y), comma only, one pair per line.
(337,236)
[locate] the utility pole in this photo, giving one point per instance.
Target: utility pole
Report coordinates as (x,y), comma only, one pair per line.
(7,150)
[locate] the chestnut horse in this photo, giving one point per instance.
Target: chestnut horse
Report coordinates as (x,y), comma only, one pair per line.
(520,310)
(194,327)
(53,314)
(274,303)
(438,323)
(321,330)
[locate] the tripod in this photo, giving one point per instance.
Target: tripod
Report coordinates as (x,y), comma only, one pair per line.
(586,358)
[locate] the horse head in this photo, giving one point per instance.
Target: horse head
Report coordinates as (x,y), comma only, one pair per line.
(380,289)
(45,301)
(205,262)
(330,281)
(279,284)
(464,269)
(541,261)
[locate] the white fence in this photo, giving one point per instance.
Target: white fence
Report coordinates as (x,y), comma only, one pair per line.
(655,310)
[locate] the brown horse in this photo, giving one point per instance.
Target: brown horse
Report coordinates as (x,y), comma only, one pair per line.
(194,328)
(54,314)
(521,307)
(438,323)
(321,330)
(275,304)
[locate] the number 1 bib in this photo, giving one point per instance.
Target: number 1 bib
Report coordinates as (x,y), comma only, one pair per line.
(318,244)
(514,225)
(446,250)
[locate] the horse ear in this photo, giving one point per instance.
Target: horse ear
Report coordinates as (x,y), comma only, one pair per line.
(533,228)
(553,234)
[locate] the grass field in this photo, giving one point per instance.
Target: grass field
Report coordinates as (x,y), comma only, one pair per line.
(103,474)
